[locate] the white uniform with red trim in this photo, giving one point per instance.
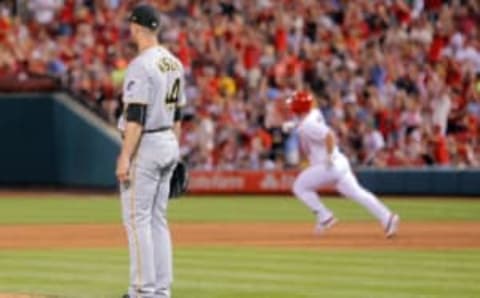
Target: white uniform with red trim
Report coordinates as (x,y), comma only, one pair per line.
(329,171)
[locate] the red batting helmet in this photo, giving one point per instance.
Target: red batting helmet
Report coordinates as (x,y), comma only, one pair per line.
(300,102)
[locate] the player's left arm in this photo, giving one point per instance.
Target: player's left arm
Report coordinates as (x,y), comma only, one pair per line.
(135,96)
(132,134)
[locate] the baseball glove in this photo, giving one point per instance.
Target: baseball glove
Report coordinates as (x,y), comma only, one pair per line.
(179,180)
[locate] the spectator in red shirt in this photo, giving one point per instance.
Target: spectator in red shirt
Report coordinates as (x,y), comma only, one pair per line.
(244,57)
(440,147)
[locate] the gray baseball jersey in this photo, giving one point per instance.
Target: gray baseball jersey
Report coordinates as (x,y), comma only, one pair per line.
(154,78)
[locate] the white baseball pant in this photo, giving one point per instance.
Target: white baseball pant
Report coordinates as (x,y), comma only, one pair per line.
(340,176)
(144,208)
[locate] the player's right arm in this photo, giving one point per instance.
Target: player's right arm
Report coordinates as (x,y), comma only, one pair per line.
(182,100)
(330,144)
(319,132)
(177,129)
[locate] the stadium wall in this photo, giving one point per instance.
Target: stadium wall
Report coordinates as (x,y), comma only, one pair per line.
(49,139)
(426,181)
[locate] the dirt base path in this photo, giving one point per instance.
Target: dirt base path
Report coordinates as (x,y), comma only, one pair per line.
(415,235)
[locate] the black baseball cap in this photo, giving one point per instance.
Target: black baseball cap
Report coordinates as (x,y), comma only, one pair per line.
(146,16)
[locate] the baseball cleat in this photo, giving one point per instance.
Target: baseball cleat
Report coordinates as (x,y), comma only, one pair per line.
(392,226)
(323,225)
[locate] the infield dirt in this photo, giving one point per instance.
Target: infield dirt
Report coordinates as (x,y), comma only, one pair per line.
(414,235)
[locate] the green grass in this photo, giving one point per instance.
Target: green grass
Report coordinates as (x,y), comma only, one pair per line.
(94,209)
(252,273)
(243,272)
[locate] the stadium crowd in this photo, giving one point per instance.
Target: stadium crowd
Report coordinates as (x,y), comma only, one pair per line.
(398,80)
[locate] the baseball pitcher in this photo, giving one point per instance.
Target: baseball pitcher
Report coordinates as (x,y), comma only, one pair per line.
(152,95)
